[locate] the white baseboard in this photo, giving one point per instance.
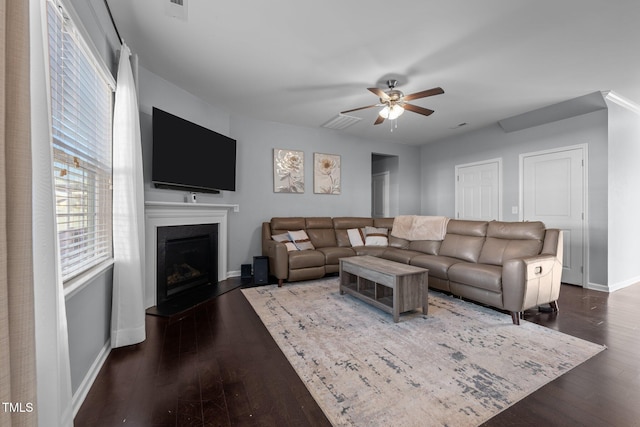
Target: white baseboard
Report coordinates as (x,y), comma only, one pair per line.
(92,374)
(624,284)
(234,273)
(614,286)
(597,287)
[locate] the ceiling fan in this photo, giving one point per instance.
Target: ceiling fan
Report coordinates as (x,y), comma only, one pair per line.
(394,102)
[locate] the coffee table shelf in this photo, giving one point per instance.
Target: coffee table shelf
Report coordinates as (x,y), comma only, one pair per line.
(388,285)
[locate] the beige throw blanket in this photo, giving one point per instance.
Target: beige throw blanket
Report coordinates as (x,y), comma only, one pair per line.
(418,227)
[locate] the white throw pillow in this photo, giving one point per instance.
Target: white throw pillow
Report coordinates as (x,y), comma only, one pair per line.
(284,238)
(301,240)
(376,236)
(356,236)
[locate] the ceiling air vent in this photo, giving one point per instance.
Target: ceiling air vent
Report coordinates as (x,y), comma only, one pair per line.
(176,9)
(341,121)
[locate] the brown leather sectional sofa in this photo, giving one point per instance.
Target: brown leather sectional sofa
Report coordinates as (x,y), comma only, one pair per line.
(513,266)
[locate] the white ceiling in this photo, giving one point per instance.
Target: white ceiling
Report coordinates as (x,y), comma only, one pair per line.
(301,62)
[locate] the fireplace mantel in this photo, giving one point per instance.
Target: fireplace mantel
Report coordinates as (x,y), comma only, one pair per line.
(165,214)
(193,206)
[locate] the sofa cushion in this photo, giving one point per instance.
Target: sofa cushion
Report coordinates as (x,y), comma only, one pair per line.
(306,259)
(430,247)
(498,251)
(332,255)
(488,277)
(466,248)
(398,242)
(509,240)
(464,239)
(376,236)
(319,222)
(342,224)
(284,238)
(283,225)
(437,265)
(322,237)
(370,250)
(467,228)
(301,240)
(400,255)
(529,230)
(383,223)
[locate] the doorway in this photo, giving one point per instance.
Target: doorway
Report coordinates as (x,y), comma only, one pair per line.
(553,191)
(384,178)
(380,195)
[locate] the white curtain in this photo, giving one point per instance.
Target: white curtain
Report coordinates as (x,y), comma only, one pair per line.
(54,405)
(127,317)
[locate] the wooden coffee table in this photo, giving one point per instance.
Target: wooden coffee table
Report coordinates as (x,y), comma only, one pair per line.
(388,285)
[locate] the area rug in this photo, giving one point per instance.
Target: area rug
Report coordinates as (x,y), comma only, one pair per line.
(457,366)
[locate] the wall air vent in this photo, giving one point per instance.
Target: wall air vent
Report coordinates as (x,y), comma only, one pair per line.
(341,121)
(176,9)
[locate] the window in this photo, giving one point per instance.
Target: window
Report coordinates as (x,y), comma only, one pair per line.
(81,114)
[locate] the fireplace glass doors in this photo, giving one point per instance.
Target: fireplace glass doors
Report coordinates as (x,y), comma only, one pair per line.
(187,259)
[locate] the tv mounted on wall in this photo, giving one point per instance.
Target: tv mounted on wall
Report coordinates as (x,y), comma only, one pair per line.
(187,156)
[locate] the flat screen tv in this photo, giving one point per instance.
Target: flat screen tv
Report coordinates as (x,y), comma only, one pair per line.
(187,156)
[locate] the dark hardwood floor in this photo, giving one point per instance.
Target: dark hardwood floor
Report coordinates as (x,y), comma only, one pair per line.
(216,365)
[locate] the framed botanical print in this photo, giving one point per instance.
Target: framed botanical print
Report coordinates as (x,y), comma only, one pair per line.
(326,173)
(288,171)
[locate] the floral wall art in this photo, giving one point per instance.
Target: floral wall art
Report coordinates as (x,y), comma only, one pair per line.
(326,173)
(288,171)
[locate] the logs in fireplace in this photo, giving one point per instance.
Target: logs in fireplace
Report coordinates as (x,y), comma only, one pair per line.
(187,260)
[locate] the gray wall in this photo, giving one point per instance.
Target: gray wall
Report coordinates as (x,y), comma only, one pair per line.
(89,325)
(254,191)
(439,161)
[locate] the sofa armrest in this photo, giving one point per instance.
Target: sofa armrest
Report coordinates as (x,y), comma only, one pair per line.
(531,281)
(278,258)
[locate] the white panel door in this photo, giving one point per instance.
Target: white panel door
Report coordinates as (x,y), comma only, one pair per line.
(478,190)
(380,195)
(553,192)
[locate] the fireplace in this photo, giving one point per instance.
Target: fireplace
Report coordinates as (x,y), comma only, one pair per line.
(187,260)
(167,214)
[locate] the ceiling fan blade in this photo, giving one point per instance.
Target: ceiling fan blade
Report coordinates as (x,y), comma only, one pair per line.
(359,108)
(379,120)
(381,94)
(419,110)
(423,94)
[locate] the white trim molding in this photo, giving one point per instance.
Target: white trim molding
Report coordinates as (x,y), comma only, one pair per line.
(621,101)
(84,387)
(165,214)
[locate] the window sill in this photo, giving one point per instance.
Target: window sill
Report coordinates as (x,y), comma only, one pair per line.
(78,283)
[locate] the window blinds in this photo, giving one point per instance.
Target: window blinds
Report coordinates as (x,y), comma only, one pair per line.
(81,112)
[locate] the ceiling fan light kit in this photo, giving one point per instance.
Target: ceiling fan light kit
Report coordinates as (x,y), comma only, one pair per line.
(394,102)
(391,112)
